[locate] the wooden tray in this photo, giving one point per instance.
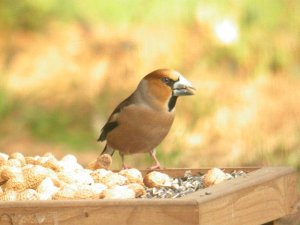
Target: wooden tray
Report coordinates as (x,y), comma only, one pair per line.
(263,195)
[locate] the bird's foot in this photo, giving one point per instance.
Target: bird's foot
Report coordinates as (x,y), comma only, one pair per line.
(124,167)
(155,167)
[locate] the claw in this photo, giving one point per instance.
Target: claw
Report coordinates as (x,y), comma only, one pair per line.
(157,164)
(155,167)
(124,167)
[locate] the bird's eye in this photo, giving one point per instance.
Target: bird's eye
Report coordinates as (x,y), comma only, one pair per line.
(166,80)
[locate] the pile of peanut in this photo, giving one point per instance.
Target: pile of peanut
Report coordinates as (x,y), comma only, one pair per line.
(47,178)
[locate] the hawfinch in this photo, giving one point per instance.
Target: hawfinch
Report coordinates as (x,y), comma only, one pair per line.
(141,121)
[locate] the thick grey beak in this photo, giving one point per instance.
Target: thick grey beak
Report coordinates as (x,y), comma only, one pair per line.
(183,87)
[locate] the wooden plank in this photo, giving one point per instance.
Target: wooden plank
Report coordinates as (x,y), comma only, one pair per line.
(262,196)
(108,212)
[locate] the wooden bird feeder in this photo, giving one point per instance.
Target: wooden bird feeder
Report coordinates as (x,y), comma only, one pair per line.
(262,196)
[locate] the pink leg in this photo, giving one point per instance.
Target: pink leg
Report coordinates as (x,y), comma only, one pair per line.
(157,164)
(124,166)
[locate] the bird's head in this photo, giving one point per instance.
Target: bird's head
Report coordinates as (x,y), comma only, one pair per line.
(165,85)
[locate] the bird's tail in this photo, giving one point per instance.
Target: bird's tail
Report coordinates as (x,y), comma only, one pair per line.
(108,150)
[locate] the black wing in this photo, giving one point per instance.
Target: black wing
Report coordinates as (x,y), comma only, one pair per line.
(110,125)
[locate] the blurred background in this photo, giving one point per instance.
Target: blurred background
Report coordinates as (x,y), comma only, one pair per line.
(65,65)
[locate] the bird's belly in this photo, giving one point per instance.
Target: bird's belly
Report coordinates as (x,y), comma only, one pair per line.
(140,131)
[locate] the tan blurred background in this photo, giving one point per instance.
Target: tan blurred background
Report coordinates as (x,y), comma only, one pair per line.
(65,65)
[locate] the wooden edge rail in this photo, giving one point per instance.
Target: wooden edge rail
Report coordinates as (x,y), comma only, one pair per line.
(261,196)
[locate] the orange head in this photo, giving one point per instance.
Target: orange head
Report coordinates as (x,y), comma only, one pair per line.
(163,86)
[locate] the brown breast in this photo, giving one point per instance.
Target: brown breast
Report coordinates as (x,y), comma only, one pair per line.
(140,129)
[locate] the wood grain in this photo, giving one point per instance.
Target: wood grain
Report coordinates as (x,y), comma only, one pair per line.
(263,195)
(108,212)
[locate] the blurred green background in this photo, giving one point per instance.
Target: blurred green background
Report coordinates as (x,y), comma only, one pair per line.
(65,65)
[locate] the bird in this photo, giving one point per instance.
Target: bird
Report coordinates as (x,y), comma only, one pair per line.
(140,122)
